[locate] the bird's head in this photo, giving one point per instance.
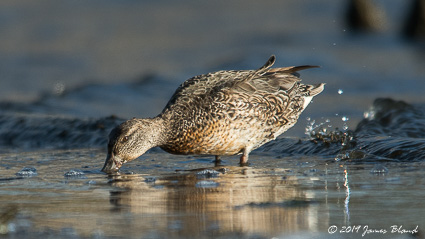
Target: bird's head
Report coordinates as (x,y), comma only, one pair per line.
(130,140)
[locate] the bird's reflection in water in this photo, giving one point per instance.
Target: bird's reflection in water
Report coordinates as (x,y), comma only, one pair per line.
(221,201)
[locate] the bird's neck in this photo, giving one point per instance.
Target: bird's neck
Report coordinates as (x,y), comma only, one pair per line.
(159,131)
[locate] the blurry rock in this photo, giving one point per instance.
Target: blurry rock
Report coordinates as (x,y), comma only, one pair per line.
(364,15)
(414,27)
(393,130)
(388,117)
(38,131)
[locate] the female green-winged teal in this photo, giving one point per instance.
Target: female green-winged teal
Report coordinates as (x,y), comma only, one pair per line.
(220,113)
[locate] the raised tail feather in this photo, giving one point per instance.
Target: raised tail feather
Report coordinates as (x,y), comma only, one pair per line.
(290,70)
(317,89)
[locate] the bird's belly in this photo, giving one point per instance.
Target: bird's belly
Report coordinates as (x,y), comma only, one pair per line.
(220,138)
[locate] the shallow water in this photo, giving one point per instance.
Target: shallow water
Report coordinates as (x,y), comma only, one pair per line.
(71,71)
(345,183)
(162,195)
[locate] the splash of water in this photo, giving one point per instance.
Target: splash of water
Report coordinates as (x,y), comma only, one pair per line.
(27,172)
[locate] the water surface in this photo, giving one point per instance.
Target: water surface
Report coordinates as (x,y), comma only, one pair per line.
(173,196)
(71,71)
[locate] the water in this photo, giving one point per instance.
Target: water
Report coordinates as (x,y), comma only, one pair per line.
(71,71)
(271,198)
(27,172)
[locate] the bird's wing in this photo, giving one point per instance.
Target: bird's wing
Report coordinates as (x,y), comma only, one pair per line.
(265,79)
(270,79)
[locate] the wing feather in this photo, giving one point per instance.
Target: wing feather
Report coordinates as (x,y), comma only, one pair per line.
(264,79)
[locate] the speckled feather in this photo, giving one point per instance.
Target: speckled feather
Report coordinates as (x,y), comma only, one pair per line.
(221,113)
(231,112)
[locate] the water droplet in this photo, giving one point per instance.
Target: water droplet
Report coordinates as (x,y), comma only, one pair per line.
(334,44)
(345,118)
(59,88)
(207,173)
(366,115)
(379,169)
(27,172)
(369,115)
(308,118)
(74,174)
(206,184)
(345,127)
(340,91)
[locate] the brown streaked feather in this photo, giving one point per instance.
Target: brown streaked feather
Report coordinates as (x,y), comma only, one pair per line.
(219,113)
(243,83)
(265,68)
(317,89)
(264,79)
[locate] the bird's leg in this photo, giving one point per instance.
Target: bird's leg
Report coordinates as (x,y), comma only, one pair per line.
(217,161)
(244,158)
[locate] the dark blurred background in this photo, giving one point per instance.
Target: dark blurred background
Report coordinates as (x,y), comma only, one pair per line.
(97,58)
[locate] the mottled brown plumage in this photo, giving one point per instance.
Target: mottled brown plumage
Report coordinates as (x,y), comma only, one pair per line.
(220,113)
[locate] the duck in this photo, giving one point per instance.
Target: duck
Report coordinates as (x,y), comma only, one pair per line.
(223,113)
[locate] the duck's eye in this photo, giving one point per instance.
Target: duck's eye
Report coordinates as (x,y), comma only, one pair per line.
(125,139)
